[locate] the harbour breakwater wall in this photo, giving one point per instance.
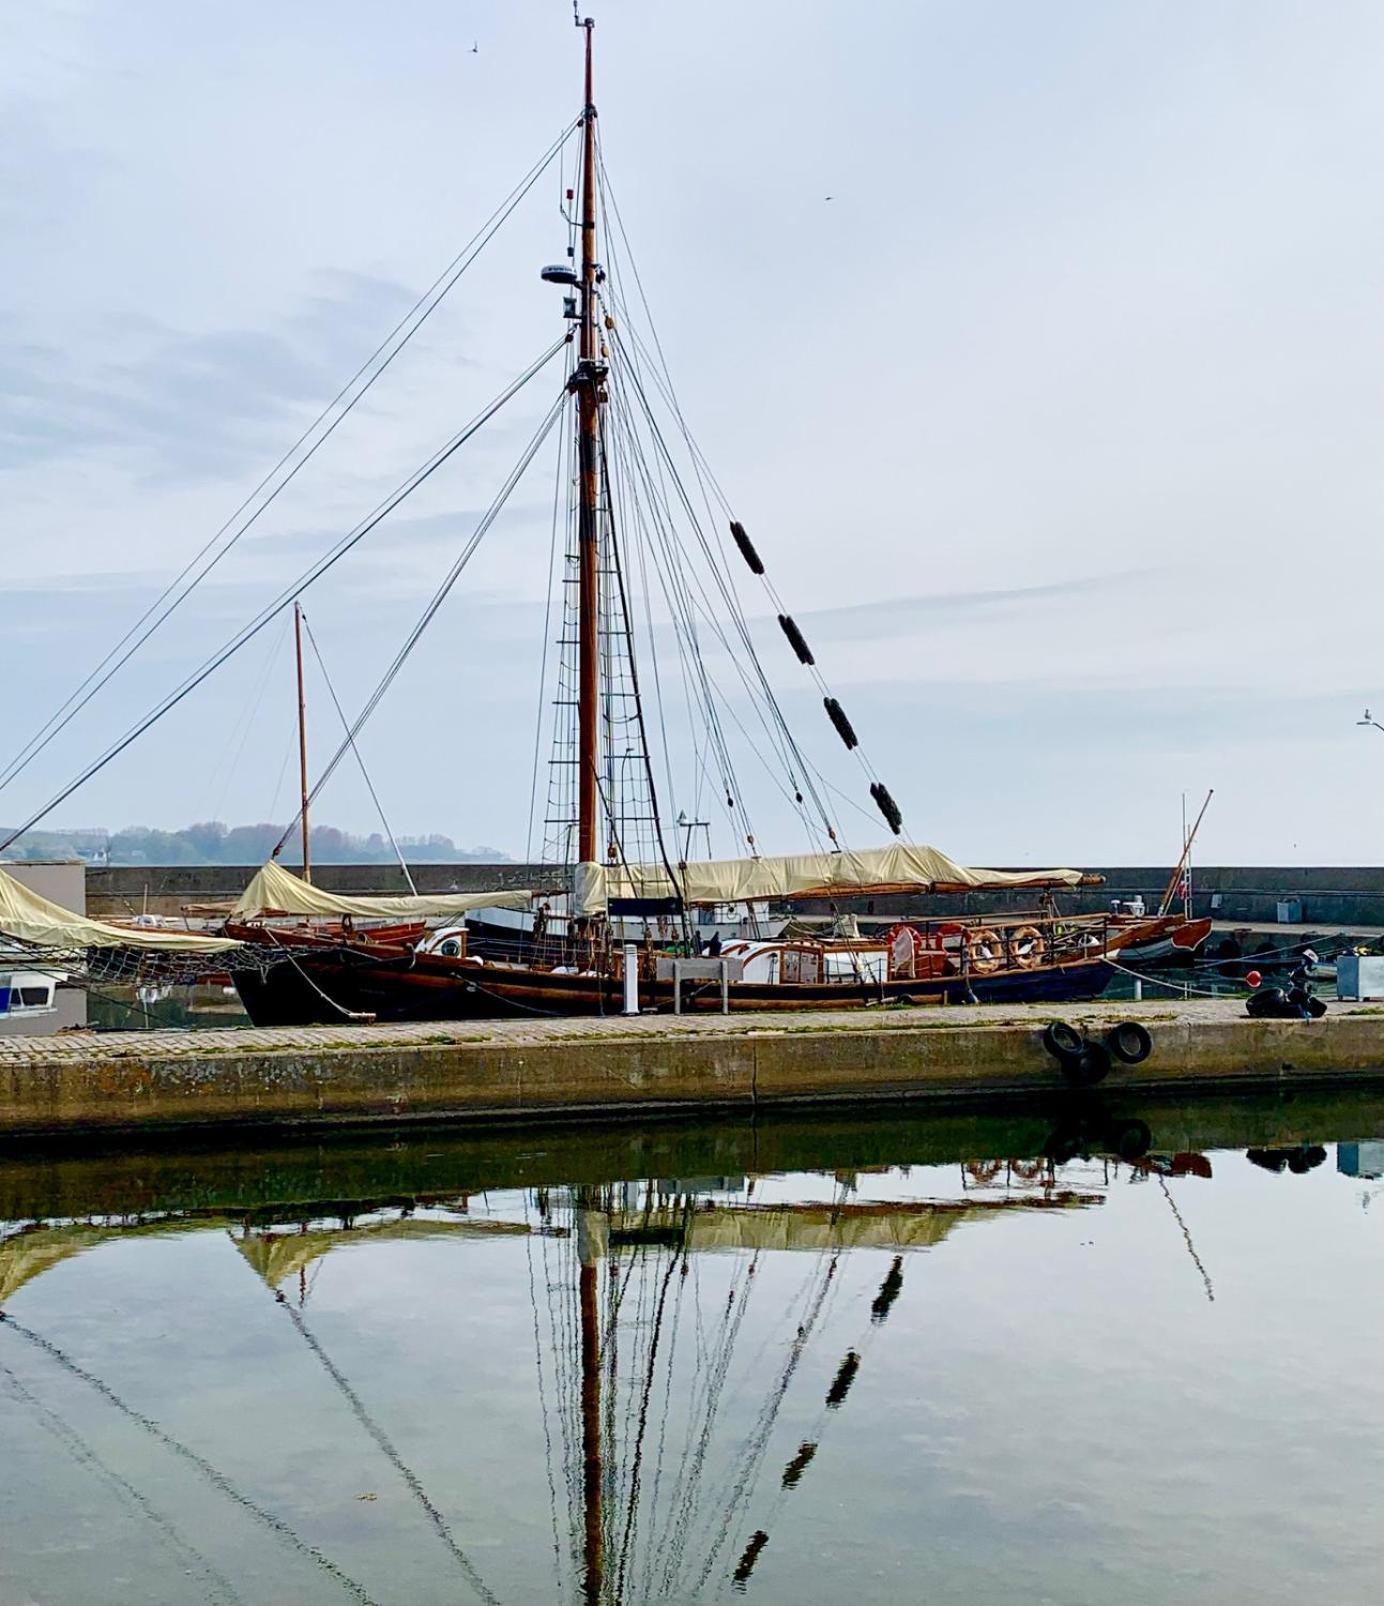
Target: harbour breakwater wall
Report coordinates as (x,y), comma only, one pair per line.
(1245,894)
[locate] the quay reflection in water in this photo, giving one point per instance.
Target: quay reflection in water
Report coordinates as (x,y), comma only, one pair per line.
(1064,1352)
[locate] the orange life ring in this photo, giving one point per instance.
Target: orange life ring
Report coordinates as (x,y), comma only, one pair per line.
(984,951)
(1027,947)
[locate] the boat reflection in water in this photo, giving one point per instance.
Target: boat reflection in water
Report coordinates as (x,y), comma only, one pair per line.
(800,1359)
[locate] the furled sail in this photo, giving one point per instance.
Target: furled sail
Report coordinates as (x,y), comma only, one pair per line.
(29,918)
(276,891)
(904,867)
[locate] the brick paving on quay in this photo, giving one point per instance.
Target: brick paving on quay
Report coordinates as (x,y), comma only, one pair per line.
(70,1047)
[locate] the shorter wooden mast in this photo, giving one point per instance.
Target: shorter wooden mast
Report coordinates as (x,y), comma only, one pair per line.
(302,740)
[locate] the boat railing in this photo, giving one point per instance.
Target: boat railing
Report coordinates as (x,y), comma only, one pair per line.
(1013,943)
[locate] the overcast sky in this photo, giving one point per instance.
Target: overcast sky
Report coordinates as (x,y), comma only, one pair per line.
(1058,424)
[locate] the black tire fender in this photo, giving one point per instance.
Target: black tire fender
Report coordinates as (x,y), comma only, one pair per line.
(1062,1041)
(1129,1042)
(1092,1065)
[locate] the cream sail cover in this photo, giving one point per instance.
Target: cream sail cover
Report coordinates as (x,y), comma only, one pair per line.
(910,866)
(275,890)
(27,917)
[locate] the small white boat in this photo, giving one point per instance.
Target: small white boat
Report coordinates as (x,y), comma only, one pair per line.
(28,992)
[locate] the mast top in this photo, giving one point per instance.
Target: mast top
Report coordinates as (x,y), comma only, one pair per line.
(589,24)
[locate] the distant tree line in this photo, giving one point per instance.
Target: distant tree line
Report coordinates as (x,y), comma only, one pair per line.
(211,842)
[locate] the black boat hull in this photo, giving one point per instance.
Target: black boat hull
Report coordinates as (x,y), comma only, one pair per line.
(329,986)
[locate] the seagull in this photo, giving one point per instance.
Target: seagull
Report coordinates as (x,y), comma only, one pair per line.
(476,48)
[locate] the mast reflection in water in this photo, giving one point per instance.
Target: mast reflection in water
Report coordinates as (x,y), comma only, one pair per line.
(945,1357)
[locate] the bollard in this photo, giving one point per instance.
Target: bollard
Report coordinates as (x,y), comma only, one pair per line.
(1138,989)
(631,978)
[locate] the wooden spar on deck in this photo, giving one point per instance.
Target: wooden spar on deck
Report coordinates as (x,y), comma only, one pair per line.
(587,382)
(302,739)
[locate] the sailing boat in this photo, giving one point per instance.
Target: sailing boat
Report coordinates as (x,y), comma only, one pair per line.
(613,929)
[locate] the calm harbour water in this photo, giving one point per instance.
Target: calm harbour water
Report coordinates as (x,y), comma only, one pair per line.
(896,1357)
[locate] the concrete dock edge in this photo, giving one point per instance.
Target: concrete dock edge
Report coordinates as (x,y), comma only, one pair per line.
(555,1070)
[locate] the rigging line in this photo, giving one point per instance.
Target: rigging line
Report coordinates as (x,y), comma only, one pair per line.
(83,1454)
(747,1475)
(217,1479)
(701,468)
(731,601)
(290,747)
(691,1499)
(640,547)
(638,701)
(102,674)
(341,1009)
(645,1572)
(1191,1247)
(689,646)
(248,717)
(543,1405)
(430,612)
(365,773)
(795,758)
(699,465)
(558,481)
(386,1445)
(285,598)
(674,584)
(1169,981)
(664,381)
(815,1433)
(646,1394)
(559,1330)
(717,570)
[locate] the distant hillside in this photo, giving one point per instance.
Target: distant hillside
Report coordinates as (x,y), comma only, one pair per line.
(214,843)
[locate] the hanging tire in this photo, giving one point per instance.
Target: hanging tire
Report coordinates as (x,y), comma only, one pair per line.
(1090,1066)
(1129,1042)
(1062,1041)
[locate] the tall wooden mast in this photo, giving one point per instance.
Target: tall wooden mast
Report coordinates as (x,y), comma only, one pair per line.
(588,383)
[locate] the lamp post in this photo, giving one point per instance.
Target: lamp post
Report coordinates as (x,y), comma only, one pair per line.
(1369,719)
